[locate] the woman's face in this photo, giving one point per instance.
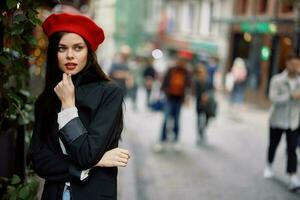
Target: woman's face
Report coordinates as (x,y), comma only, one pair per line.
(72,53)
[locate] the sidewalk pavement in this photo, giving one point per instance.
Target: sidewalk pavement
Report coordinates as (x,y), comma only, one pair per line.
(229,167)
(127,188)
(127,185)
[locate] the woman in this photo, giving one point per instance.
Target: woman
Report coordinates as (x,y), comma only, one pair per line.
(78,116)
(205,102)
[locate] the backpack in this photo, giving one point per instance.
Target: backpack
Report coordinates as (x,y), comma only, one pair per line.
(176,86)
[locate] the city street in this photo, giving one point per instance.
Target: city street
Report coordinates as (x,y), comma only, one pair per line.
(67,64)
(229,166)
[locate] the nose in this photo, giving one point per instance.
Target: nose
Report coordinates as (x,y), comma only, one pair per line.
(70,54)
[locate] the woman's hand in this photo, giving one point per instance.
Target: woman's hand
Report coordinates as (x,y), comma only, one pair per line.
(65,91)
(116,157)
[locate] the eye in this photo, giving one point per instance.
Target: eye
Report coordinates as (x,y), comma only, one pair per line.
(78,48)
(61,49)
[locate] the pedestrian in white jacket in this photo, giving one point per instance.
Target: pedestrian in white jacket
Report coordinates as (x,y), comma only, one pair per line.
(284,94)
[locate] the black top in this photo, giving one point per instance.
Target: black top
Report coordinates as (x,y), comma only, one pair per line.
(86,139)
(167,82)
(200,89)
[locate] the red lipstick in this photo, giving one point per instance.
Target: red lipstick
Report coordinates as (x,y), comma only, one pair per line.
(70,66)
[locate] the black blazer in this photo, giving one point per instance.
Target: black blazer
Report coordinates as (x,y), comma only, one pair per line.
(86,139)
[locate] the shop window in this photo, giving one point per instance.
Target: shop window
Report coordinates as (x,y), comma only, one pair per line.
(192,17)
(287,8)
(211,14)
(263,6)
(243,5)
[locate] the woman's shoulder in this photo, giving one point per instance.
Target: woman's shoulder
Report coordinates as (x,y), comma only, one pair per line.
(106,87)
(98,91)
(112,88)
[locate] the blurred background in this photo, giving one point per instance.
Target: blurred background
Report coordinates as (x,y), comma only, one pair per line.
(144,39)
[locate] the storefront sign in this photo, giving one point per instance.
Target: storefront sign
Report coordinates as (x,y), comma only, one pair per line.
(258,27)
(207,47)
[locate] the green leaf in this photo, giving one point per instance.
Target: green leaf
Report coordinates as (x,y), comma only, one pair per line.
(25,93)
(17,44)
(4,61)
(11,3)
(24,193)
(15,179)
(19,18)
(4,179)
(34,185)
(32,40)
(13,196)
(36,21)
(12,116)
(11,193)
(14,97)
(20,65)
(17,30)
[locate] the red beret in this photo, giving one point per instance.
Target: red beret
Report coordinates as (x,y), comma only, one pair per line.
(185,54)
(74,23)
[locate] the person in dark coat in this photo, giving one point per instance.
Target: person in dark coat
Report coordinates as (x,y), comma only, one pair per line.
(78,116)
(149,75)
(205,102)
(175,84)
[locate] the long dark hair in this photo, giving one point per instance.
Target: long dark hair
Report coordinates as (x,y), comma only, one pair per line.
(48,102)
(54,74)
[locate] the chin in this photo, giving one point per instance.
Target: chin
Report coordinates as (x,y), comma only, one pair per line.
(72,72)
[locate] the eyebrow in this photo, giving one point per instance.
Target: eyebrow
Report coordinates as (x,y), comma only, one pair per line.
(80,43)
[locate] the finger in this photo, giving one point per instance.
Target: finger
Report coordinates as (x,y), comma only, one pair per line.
(57,85)
(124,151)
(126,156)
(56,89)
(60,84)
(120,164)
(69,77)
(65,79)
(123,160)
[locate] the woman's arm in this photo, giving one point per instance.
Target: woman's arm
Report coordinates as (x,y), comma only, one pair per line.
(87,145)
(46,163)
(58,167)
(116,157)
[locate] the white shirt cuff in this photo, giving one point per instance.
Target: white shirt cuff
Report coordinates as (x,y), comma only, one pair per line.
(84,174)
(66,115)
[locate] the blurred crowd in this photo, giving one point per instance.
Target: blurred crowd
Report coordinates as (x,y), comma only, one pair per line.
(184,81)
(168,90)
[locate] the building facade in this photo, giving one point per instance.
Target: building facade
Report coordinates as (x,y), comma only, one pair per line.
(262,33)
(188,25)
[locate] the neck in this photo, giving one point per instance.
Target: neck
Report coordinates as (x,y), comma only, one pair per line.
(292,75)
